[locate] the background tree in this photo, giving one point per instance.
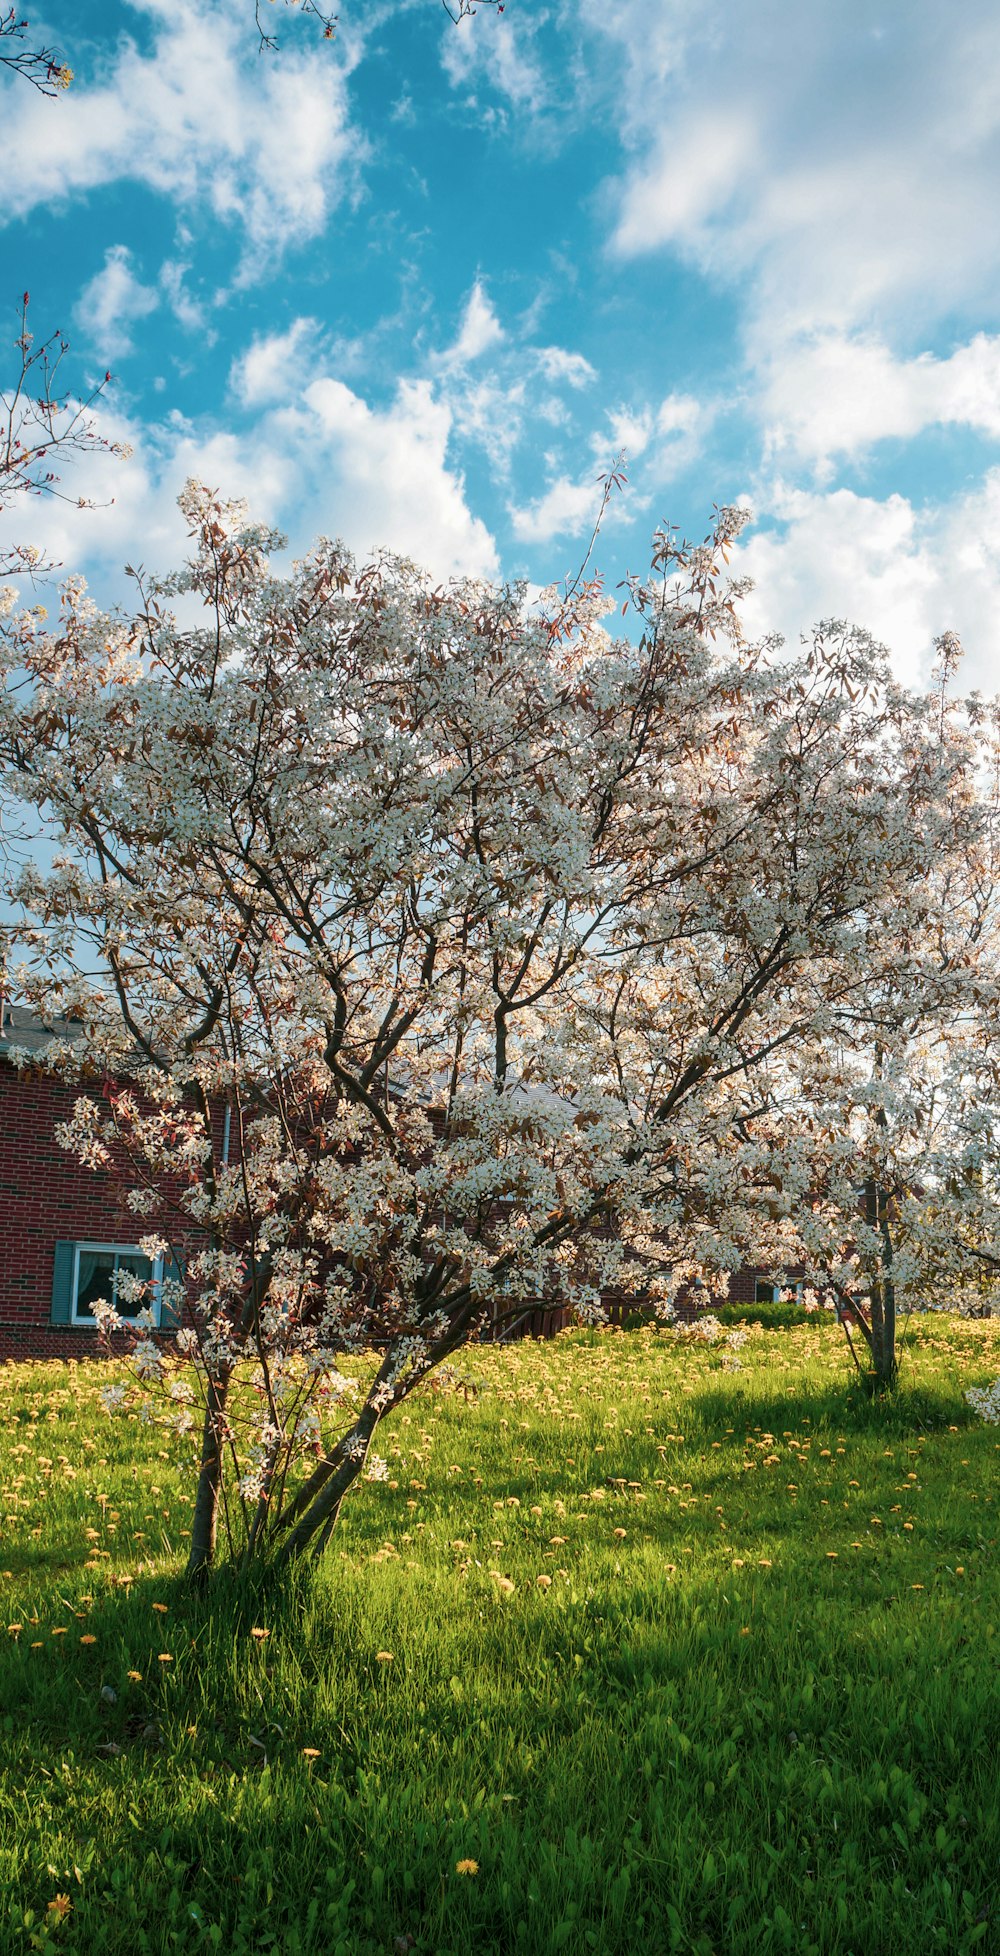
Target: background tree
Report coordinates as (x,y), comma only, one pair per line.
(39,423)
(40,66)
(489,930)
(879,1134)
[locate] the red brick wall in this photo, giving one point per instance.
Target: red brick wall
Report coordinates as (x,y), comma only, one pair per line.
(46,1196)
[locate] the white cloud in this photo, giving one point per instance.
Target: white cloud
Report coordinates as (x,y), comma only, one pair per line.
(566,508)
(558,364)
(629,431)
(661,440)
(112,303)
(328,463)
(393,482)
(496,51)
(187,310)
(265,147)
(492,413)
(904,573)
(480,330)
(837,395)
(272,365)
(692,178)
(842,162)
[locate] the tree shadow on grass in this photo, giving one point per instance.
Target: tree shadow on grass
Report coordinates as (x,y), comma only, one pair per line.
(849,1408)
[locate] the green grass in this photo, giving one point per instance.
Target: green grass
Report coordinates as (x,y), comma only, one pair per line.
(763,1718)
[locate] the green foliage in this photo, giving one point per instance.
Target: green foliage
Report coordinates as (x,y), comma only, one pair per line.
(762,1718)
(771,1317)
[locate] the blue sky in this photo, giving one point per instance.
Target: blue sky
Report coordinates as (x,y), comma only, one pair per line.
(418,286)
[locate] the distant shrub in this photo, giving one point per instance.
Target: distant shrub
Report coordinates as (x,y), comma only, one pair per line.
(773,1317)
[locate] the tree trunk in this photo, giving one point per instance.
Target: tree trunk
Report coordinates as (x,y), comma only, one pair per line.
(204,1525)
(882,1345)
(316,1524)
(885,1366)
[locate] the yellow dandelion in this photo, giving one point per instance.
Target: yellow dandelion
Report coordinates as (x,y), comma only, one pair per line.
(58,1909)
(161,1608)
(38,1646)
(165,1657)
(384,1657)
(59,1632)
(831,1555)
(310,1752)
(960,1570)
(14,1629)
(916,1585)
(467,1867)
(135,1677)
(260,1634)
(544,1582)
(89,1639)
(619,1534)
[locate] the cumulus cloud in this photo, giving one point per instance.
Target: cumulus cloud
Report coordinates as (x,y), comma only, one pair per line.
(394,483)
(327,463)
(905,573)
(836,396)
(113,302)
(272,365)
(266,148)
(565,509)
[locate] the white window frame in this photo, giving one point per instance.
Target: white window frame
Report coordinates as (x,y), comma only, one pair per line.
(84,1323)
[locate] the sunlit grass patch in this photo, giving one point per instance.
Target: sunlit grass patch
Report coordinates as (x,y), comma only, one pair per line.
(675,1657)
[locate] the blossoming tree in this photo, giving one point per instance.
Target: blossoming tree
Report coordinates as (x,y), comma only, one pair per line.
(875,1142)
(435,950)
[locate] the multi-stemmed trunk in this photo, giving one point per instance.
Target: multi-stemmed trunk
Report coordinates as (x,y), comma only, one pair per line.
(205,1521)
(885,1365)
(880,1334)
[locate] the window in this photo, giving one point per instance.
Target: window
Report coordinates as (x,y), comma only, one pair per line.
(97,1268)
(764,1292)
(86,1274)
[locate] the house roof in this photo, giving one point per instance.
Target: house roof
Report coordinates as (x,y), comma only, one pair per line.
(24,1030)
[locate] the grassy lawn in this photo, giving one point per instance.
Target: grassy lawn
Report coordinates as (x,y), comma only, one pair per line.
(682,1657)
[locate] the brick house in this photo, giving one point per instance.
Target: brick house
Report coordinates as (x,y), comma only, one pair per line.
(63,1234)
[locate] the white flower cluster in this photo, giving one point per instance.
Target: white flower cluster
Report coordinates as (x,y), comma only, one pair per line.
(985,1400)
(704,1331)
(590,1311)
